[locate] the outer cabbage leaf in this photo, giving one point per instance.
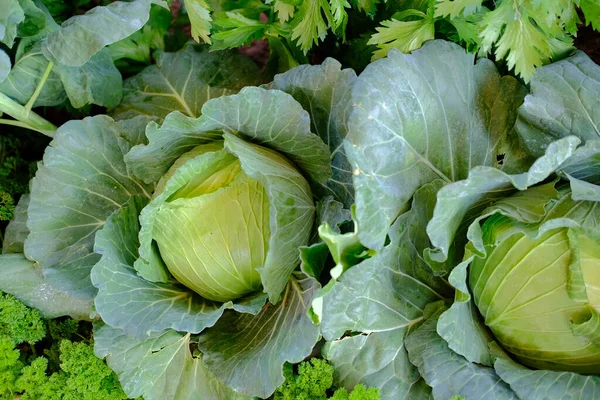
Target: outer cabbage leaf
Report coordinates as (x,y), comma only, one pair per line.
(384,296)
(267,117)
(582,169)
(461,202)
(564,100)
(137,306)
(324,91)
(23,79)
(97,81)
(160,367)
(247,352)
(543,384)
(82,36)
(11,15)
(184,81)
(447,372)
(377,360)
(432,114)
(24,280)
(80,183)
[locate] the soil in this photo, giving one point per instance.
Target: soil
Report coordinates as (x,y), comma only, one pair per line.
(588,40)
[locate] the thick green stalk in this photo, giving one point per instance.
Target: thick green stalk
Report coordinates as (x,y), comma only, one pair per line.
(24,118)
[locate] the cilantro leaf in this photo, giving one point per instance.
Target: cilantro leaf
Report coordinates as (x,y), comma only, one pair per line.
(237,31)
(340,16)
(403,35)
(284,11)
(591,11)
(454,8)
(199,13)
(309,25)
(522,43)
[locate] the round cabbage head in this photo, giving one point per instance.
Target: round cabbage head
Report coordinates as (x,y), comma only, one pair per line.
(538,288)
(213,232)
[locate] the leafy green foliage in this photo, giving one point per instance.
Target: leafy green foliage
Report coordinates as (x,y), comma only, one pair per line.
(20,322)
(82,376)
(404,35)
(15,172)
(314,380)
(69,370)
(199,13)
(527,34)
(7,206)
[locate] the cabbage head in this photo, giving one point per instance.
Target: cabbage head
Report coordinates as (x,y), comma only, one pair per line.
(214,231)
(538,290)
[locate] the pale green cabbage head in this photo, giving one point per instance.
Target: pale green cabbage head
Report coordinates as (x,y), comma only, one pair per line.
(538,289)
(213,232)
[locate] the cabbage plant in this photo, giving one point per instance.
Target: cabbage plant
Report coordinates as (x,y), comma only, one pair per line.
(178,223)
(536,287)
(478,200)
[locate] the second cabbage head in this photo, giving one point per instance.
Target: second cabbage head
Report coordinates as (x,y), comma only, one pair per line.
(537,285)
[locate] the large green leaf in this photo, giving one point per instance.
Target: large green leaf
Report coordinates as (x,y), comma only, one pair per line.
(82,180)
(325,92)
(16,232)
(384,296)
(268,117)
(391,289)
(564,100)
(24,280)
(247,352)
(432,114)
(127,301)
(448,373)
(97,81)
(11,15)
(82,36)
(273,119)
(184,81)
(21,82)
(160,367)
(542,385)
(377,360)
(461,325)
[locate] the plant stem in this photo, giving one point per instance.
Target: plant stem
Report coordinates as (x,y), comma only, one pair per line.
(24,119)
(38,89)
(12,122)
